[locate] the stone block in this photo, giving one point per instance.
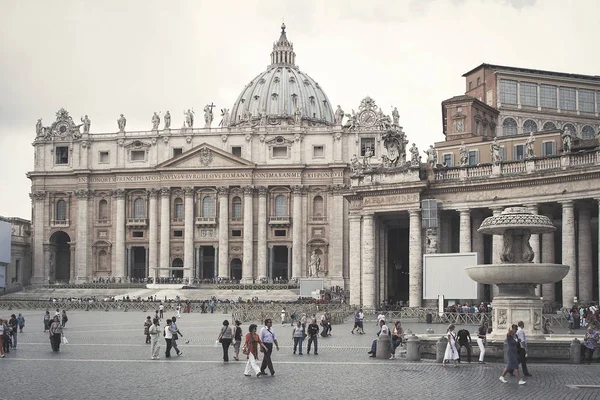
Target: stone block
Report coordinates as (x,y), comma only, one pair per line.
(384,347)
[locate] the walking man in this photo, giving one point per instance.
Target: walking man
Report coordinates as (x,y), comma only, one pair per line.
(168,338)
(268,338)
(161,309)
(154,332)
(175,335)
(313,334)
(522,347)
(464,339)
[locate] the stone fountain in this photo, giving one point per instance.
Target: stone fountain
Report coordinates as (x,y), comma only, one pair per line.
(517,275)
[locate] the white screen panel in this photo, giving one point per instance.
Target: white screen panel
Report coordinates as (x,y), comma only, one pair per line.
(5,240)
(444,274)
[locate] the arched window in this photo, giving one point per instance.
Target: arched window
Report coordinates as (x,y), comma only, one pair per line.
(318,206)
(529,126)
(103,210)
(61,210)
(236,207)
(178,211)
(139,208)
(587,132)
(178,263)
(549,126)
(570,128)
(208,206)
(280,206)
(509,127)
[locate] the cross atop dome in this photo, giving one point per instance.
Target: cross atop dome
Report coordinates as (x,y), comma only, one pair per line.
(283,50)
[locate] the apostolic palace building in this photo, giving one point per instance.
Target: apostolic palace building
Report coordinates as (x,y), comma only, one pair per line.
(289,186)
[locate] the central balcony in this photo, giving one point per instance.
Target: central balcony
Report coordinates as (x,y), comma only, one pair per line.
(284,220)
(137,222)
(206,221)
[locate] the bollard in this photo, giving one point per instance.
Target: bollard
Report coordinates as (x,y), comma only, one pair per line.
(384,347)
(575,352)
(441,349)
(412,348)
(125,310)
(87,307)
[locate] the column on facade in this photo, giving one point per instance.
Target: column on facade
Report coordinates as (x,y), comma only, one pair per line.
(271,261)
(223,232)
(82,234)
(465,231)
(367,244)
(297,232)
(584,258)
(289,261)
(534,242)
(383,266)
(247,270)
(216,261)
(477,246)
(165,231)
(415,260)
(153,233)
(548,289)
(497,245)
(569,283)
(354,258)
(261,231)
(119,269)
(188,235)
(39,223)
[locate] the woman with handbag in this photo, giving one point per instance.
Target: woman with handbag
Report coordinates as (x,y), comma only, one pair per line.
(251,345)
(56,333)
(298,337)
(225,338)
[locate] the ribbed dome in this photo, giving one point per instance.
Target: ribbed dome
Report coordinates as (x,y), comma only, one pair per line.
(282,93)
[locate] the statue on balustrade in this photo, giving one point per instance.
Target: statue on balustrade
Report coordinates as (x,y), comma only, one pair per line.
(464,154)
(415,158)
(431,156)
(155,121)
(86,124)
(208,115)
(224,118)
(189,118)
(355,165)
(567,138)
(167,120)
(338,116)
(396,116)
(495,152)
(529,149)
(121,122)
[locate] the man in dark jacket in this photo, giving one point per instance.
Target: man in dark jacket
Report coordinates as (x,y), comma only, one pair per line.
(464,339)
(313,334)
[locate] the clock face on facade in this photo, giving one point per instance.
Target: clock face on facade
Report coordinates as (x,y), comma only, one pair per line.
(62,128)
(367,118)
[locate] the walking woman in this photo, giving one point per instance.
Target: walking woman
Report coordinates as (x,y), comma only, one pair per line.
(298,337)
(64,318)
(251,345)
(55,333)
(237,339)
(225,338)
(481,340)
(512,362)
(451,353)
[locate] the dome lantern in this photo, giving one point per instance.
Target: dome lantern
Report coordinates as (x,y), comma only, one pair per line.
(283,50)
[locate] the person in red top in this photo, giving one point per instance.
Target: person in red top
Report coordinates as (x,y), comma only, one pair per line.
(252,343)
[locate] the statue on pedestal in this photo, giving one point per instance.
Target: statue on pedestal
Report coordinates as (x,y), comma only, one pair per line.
(566,140)
(415,159)
(155,121)
(86,124)
(39,129)
(121,122)
(367,158)
(495,151)
(529,149)
(464,154)
(189,118)
(315,264)
(167,120)
(224,118)
(355,165)
(396,116)
(338,116)
(431,156)
(208,115)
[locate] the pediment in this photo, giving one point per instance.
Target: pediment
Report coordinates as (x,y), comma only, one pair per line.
(205,156)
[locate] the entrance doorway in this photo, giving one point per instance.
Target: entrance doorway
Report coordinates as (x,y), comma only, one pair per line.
(236,269)
(60,259)
(138,261)
(177,268)
(206,263)
(398,276)
(280,263)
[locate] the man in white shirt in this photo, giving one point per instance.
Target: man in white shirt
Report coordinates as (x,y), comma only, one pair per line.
(161,309)
(383,331)
(380,317)
(168,338)
(522,347)
(268,338)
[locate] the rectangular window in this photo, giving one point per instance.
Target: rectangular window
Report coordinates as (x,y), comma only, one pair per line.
(567,98)
(138,155)
(367,143)
(280,152)
(236,151)
(478,81)
(548,96)
(103,157)
(519,152)
(448,160)
(502,153)
(586,100)
(137,234)
(177,233)
(177,151)
(549,148)
(318,152)
(473,157)
(529,94)
(470,85)
(508,91)
(62,155)
(236,208)
(236,232)
(280,232)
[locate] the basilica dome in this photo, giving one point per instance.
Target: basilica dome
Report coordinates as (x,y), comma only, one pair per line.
(282,94)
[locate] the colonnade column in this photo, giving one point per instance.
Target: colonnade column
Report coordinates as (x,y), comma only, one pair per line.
(465,231)
(82,234)
(188,235)
(477,246)
(497,245)
(223,232)
(261,256)
(39,223)
(569,283)
(216,261)
(336,236)
(153,233)
(297,232)
(368,261)
(584,249)
(354,254)
(247,264)
(548,289)
(534,242)
(415,260)
(165,232)
(119,270)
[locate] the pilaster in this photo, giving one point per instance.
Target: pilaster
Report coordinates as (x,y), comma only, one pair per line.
(584,250)
(40,220)
(355,262)
(153,233)
(165,232)
(119,265)
(297,270)
(81,272)
(569,283)
(188,246)
(223,232)
(261,231)
(247,263)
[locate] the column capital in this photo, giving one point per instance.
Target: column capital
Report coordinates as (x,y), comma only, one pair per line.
(369,216)
(354,216)
(188,191)
(337,189)
(223,190)
(298,189)
(119,193)
(261,190)
(248,190)
(165,192)
(414,213)
(82,194)
(567,203)
(464,210)
(152,192)
(41,195)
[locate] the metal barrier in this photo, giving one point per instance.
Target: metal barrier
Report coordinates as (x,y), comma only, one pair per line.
(259,312)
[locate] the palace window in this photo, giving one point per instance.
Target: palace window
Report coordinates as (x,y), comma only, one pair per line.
(178,208)
(137,234)
(448,159)
(61,210)
(236,151)
(548,96)
(519,152)
(502,153)
(236,207)
(281,206)
(208,206)
(138,155)
(367,143)
(548,148)
(139,209)
(280,232)
(178,233)
(529,94)
(473,157)
(549,126)
(587,132)
(567,98)
(280,152)
(236,232)
(586,100)
(62,155)
(103,210)
(103,157)
(529,126)
(509,127)
(508,91)
(317,206)
(478,81)
(177,151)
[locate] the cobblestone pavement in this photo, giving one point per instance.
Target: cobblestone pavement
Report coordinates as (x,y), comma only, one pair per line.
(107,359)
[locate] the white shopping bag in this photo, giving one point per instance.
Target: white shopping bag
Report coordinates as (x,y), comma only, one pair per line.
(64,340)
(217,343)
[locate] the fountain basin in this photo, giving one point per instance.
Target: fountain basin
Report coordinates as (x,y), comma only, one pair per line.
(517,273)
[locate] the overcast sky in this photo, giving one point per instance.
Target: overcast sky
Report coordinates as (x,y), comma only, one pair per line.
(103,58)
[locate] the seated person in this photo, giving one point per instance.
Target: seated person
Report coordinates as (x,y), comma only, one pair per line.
(383,329)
